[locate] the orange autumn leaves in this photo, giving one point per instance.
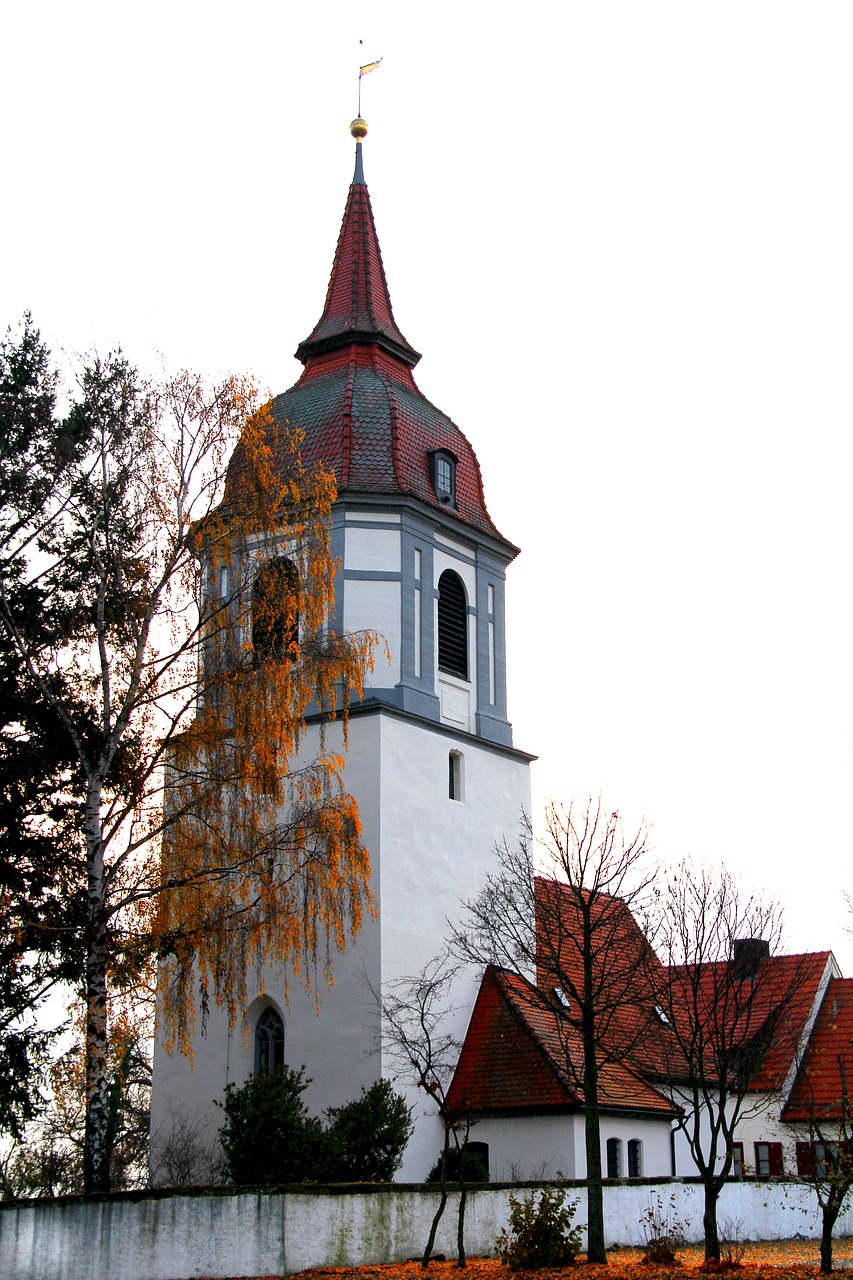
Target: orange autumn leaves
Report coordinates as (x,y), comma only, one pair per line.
(773,1260)
(263,858)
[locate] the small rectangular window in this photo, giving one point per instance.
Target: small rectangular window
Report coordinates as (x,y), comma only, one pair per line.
(768,1159)
(454,775)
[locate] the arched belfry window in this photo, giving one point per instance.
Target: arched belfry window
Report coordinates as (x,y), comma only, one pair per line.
(275,611)
(269,1042)
(452,625)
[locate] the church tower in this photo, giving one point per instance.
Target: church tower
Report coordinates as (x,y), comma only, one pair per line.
(430,761)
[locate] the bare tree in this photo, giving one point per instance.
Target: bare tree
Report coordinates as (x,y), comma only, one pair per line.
(414,1010)
(819,1109)
(731,1012)
(570,928)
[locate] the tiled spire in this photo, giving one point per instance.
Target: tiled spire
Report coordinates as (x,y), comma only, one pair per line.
(358,306)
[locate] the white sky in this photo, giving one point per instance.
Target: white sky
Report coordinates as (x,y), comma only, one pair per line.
(622,236)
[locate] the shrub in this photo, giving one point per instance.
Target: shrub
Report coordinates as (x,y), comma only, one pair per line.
(471,1163)
(541,1232)
(662,1230)
(732,1241)
(268,1136)
(368,1136)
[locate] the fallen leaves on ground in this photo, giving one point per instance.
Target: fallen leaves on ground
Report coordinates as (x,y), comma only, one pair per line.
(770,1260)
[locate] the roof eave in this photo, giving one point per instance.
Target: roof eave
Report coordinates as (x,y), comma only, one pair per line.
(356,337)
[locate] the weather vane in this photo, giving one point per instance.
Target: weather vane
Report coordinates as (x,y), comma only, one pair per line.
(365,71)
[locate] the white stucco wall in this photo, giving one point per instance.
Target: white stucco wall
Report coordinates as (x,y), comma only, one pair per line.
(375,605)
(427,851)
(436,851)
(179,1237)
(554,1146)
(759,1122)
(528,1147)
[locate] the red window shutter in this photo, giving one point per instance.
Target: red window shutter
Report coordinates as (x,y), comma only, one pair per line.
(804,1159)
(775,1157)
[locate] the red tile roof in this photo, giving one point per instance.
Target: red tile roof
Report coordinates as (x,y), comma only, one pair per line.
(521,1055)
(817,1092)
(358,305)
(524,1053)
(784,989)
(625,972)
(357,403)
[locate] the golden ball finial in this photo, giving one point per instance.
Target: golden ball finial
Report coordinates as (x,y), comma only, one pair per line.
(358,128)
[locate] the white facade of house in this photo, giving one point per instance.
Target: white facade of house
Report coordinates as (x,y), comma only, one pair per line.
(553,1146)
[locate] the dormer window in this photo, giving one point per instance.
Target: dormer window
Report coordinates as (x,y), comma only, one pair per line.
(562,999)
(442,474)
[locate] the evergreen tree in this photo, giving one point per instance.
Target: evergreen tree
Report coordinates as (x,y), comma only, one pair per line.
(116,528)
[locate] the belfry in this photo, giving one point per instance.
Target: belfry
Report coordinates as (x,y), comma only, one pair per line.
(430,759)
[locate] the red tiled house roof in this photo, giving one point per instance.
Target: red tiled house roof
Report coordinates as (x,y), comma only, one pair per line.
(817,1093)
(357,402)
(783,990)
(516,1054)
(523,1053)
(626,972)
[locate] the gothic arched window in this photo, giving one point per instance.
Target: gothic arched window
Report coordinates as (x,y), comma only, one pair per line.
(452,625)
(269,1042)
(614,1157)
(275,611)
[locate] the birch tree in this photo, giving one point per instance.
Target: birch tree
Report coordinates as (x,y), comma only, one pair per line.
(140,522)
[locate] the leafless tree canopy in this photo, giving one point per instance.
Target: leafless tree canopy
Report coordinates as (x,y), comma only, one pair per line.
(733,1010)
(569,930)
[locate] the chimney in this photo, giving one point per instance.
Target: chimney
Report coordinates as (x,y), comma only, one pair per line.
(747,954)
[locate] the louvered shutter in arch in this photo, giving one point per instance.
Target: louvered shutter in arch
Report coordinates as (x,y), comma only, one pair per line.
(452,625)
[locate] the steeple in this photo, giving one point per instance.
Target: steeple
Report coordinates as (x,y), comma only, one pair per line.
(357,402)
(358,305)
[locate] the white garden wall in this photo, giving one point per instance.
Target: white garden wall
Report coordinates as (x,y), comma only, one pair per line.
(182,1236)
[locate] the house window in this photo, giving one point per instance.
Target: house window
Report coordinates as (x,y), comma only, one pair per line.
(737,1160)
(614,1157)
(562,999)
(768,1159)
(822,1159)
(275,611)
(635,1158)
(825,1158)
(452,625)
(269,1042)
(454,787)
(442,474)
